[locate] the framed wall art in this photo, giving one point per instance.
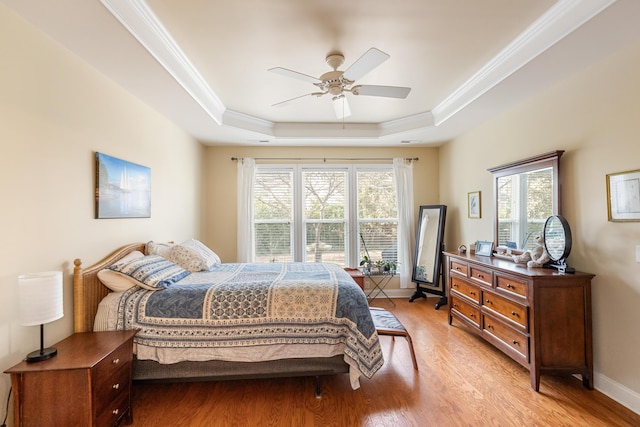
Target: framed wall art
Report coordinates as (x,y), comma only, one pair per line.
(474,204)
(623,196)
(123,189)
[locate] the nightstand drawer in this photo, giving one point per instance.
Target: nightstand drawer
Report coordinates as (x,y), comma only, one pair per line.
(113,362)
(114,411)
(112,387)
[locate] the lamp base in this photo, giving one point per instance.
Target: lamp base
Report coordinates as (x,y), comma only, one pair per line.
(40,355)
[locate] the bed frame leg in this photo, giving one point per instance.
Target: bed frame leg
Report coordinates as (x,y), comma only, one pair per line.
(318,387)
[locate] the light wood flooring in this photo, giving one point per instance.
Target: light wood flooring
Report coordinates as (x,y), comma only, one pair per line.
(462,381)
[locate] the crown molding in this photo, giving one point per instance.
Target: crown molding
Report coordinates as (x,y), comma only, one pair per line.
(138,18)
(560,20)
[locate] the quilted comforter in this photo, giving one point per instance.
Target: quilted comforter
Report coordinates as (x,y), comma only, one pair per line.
(253,312)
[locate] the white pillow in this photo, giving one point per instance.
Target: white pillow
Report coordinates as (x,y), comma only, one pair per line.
(193,256)
(161,249)
(117,282)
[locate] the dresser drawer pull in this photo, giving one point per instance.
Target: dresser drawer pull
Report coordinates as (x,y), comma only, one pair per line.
(509,285)
(515,342)
(480,276)
(513,313)
(116,386)
(115,411)
(472,292)
(472,315)
(116,361)
(455,285)
(488,301)
(458,268)
(489,326)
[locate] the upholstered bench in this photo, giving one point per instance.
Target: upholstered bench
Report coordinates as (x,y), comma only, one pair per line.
(388,324)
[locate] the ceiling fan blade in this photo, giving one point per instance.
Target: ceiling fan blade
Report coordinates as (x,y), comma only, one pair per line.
(294,74)
(341,107)
(386,91)
(367,62)
(279,104)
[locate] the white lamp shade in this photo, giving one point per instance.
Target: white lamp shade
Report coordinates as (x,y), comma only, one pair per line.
(40,297)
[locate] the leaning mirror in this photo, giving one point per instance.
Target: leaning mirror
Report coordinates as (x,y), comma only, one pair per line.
(526,193)
(427,258)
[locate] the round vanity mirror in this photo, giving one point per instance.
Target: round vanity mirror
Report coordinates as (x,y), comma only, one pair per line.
(557,239)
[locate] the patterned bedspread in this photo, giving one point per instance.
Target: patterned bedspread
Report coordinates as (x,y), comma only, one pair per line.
(243,307)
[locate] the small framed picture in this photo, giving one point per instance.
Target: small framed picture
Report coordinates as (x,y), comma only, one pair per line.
(484,248)
(474,204)
(623,196)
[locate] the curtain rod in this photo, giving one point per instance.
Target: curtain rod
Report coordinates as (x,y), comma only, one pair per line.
(324,159)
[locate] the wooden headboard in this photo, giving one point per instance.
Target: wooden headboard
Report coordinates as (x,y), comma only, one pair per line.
(88,291)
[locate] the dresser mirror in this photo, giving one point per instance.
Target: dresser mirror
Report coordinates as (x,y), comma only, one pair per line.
(526,193)
(427,260)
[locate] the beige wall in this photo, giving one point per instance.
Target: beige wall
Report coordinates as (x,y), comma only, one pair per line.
(55,112)
(220,215)
(594,116)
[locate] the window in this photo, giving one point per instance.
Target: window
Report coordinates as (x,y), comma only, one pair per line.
(324,214)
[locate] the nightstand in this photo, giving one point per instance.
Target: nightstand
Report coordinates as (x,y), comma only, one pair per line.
(357,276)
(87,384)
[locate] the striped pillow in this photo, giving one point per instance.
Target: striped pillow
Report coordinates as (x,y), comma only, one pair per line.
(151,272)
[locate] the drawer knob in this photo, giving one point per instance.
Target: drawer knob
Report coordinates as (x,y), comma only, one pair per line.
(515,342)
(471,315)
(455,305)
(116,361)
(488,301)
(455,285)
(116,386)
(480,276)
(472,293)
(513,313)
(509,285)
(458,268)
(489,326)
(115,411)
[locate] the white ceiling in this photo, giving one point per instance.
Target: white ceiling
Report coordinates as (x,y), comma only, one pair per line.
(203,63)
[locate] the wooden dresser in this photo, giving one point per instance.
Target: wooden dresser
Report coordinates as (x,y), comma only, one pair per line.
(88,383)
(538,317)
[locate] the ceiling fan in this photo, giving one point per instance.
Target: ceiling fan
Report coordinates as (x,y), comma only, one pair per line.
(337,83)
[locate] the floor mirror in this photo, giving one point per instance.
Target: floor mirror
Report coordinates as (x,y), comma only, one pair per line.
(427,260)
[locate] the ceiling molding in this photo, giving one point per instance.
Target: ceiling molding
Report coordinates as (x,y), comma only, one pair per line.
(560,20)
(138,18)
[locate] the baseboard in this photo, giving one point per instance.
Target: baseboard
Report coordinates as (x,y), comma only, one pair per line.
(618,392)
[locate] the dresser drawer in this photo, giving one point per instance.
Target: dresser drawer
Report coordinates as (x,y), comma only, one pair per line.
(481,275)
(470,312)
(465,289)
(110,388)
(459,267)
(113,411)
(510,310)
(511,285)
(509,336)
(113,362)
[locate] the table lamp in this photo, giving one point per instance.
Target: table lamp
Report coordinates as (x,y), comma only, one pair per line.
(40,302)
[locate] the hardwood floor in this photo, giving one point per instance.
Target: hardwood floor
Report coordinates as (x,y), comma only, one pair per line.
(462,381)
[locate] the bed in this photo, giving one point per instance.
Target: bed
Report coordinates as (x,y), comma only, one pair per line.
(226,339)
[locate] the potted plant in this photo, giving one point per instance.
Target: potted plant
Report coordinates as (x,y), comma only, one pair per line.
(365,263)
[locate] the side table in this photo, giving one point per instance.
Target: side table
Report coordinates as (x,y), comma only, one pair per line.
(379,281)
(87,384)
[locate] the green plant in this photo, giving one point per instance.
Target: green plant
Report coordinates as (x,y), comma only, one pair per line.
(365,261)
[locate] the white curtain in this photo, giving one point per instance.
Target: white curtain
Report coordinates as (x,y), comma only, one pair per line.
(246,176)
(403,170)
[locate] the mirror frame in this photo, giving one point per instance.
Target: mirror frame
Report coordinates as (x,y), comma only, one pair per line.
(550,159)
(436,286)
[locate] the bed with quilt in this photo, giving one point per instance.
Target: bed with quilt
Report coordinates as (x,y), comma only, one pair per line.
(201,319)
